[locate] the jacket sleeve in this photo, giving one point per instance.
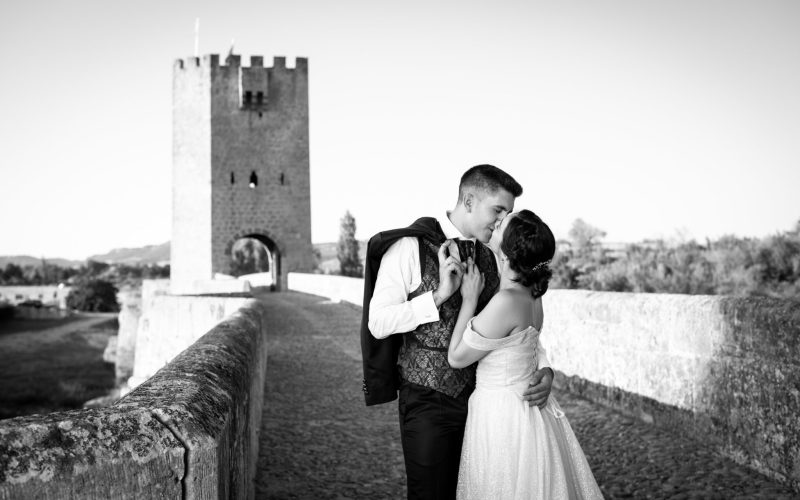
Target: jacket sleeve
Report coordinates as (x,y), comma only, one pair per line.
(379,356)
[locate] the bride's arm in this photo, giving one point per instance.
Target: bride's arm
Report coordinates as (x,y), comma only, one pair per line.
(491,323)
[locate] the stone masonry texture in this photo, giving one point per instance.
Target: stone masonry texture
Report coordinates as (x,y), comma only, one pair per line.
(99,453)
(190,431)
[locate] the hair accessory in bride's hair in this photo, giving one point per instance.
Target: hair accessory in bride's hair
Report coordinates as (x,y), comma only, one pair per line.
(540,265)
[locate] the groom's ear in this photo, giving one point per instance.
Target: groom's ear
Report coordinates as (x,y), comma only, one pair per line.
(469,200)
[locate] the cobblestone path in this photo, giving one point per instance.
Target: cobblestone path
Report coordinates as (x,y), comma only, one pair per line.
(319,440)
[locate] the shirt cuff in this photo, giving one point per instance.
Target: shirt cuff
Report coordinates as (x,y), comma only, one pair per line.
(424,308)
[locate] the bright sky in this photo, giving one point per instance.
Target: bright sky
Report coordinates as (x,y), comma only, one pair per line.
(645,118)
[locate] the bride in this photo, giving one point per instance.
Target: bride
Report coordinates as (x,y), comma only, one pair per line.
(512,450)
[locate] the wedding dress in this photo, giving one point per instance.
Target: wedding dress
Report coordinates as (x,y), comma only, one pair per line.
(512,450)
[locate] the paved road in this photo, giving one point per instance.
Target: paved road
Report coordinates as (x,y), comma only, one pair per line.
(319,441)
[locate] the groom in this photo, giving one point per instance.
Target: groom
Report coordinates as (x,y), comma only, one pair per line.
(411,288)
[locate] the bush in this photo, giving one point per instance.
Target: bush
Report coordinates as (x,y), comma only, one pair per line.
(93,295)
(728,266)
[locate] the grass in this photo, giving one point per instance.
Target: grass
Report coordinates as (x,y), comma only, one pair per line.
(53,365)
(17,325)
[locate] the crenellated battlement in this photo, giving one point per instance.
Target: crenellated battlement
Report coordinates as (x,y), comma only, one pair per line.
(235,61)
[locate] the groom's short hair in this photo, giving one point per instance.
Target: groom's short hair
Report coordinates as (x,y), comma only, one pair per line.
(488,178)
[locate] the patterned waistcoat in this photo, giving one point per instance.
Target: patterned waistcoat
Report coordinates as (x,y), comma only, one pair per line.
(423,356)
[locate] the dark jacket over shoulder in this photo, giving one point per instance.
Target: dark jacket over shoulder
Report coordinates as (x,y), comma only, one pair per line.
(379,356)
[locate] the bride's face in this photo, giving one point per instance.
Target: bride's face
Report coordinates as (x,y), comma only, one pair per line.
(497,234)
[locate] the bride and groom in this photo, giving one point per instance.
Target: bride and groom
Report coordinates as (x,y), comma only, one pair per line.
(467,431)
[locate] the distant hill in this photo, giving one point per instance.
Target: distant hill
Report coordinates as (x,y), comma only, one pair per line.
(160,254)
(27,260)
(151,254)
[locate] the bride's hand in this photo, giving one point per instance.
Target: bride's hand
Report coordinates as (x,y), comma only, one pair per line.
(472,282)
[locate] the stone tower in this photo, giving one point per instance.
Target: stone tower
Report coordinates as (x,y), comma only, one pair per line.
(240,166)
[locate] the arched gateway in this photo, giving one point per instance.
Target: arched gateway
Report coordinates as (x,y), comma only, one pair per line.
(273,264)
(240,166)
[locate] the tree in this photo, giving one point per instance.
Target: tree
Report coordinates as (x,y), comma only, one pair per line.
(584,236)
(13,274)
(347,249)
(154,271)
(32,274)
(93,295)
(94,268)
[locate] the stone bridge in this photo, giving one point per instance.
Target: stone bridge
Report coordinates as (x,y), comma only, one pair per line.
(267,404)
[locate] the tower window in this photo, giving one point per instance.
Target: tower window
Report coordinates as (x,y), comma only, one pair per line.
(253,179)
(248,97)
(282,178)
(232,178)
(259,98)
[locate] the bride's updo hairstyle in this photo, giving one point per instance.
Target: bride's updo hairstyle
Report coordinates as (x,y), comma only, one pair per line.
(529,245)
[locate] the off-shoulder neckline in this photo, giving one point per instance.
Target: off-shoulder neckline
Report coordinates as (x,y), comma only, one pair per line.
(510,335)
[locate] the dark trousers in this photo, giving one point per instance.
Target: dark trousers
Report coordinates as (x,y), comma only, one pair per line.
(431,429)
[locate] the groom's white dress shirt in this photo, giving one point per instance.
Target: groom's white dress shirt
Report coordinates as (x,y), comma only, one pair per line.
(390,311)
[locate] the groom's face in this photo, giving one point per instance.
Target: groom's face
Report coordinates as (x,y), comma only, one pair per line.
(488,211)
(497,235)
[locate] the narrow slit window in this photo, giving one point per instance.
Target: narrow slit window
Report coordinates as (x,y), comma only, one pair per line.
(253,179)
(259,98)
(233,179)
(248,97)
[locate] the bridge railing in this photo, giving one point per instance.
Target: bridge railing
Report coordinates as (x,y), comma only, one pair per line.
(189,431)
(724,369)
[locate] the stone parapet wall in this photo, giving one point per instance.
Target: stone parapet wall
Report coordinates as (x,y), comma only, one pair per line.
(125,349)
(168,324)
(724,369)
(190,431)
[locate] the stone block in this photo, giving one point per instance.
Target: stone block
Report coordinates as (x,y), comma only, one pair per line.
(98,453)
(211,396)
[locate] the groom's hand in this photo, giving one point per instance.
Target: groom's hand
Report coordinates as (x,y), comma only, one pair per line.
(451,269)
(539,390)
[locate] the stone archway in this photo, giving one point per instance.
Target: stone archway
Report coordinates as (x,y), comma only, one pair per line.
(268,275)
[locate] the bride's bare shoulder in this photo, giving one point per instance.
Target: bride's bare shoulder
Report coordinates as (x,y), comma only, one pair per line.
(502,315)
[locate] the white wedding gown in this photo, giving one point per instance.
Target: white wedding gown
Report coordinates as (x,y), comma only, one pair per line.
(512,450)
